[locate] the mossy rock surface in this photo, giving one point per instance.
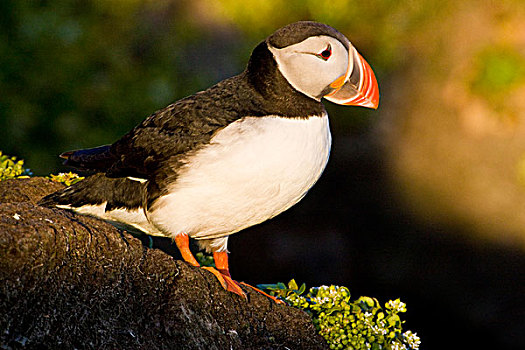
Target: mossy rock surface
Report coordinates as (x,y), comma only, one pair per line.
(71,281)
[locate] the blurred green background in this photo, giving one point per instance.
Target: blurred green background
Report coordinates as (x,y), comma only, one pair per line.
(423,199)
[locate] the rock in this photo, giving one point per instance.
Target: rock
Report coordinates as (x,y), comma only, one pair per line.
(72,281)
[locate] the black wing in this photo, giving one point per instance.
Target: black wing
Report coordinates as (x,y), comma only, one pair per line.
(166,135)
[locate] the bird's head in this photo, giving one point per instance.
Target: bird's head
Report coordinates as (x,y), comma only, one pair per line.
(319,61)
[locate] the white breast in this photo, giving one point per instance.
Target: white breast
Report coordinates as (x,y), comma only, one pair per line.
(252,170)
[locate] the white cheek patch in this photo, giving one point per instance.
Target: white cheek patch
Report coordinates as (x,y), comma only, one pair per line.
(308,73)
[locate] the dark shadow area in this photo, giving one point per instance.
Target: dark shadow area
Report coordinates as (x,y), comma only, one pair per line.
(349,230)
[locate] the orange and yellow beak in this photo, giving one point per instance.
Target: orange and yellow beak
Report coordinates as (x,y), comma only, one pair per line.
(358,87)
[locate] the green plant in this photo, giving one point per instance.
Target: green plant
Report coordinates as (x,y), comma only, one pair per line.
(346,324)
(66,178)
(205,259)
(11,168)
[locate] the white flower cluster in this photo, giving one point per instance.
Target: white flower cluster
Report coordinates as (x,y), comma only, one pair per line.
(358,325)
(398,346)
(412,339)
(396,305)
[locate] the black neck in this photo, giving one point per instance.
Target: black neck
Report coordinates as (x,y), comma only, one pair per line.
(265,78)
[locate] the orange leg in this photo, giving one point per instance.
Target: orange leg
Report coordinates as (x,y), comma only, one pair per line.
(183,243)
(221,262)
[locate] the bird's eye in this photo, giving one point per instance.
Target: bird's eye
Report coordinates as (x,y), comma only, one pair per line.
(326,53)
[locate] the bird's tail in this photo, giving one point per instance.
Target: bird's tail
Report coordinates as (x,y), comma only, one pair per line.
(98,190)
(91,159)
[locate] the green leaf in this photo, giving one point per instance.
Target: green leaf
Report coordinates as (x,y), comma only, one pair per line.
(267,286)
(393,320)
(293,285)
(301,289)
(367,303)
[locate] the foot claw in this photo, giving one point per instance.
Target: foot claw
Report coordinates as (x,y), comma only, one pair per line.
(226,282)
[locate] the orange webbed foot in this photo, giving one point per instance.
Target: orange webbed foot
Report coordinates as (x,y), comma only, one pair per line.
(221,262)
(227,282)
(221,271)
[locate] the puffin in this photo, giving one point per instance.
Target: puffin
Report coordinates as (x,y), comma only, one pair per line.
(231,156)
